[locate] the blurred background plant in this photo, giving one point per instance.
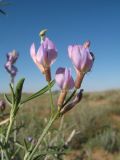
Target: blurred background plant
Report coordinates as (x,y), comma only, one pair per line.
(96,122)
(3,4)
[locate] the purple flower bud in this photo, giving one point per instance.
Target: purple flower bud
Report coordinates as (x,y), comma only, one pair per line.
(11,69)
(72,104)
(65,81)
(12,56)
(2,105)
(45,56)
(11,59)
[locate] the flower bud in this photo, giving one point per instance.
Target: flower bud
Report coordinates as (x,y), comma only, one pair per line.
(70,105)
(42,34)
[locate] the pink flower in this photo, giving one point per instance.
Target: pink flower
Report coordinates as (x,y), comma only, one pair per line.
(45,56)
(82,60)
(81,56)
(65,82)
(64,79)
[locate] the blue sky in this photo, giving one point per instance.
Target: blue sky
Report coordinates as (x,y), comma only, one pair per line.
(68,22)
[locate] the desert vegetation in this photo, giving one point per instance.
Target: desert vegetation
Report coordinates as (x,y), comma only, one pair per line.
(94,123)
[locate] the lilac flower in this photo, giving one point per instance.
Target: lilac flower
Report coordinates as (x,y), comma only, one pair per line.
(12,56)
(2,105)
(82,60)
(12,70)
(45,56)
(9,66)
(65,82)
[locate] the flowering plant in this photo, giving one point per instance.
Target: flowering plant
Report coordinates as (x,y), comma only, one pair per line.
(46,55)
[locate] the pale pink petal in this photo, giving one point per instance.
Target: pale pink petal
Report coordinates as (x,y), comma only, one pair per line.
(64,79)
(59,77)
(76,57)
(34,57)
(49,44)
(71,81)
(40,55)
(52,55)
(70,51)
(50,51)
(32,52)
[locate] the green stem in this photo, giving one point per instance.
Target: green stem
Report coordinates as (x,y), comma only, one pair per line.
(51,99)
(15,132)
(6,155)
(9,129)
(29,157)
(2,155)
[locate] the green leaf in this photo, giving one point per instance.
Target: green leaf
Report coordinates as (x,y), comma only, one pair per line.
(39,93)
(7,99)
(18,91)
(25,145)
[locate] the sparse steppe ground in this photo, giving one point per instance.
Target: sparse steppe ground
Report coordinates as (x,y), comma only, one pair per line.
(96,120)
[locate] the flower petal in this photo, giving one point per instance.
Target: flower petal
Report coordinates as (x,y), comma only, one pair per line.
(50,51)
(59,77)
(64,79)
(34,57)
(75,56)
(32,52)
(52,55)
(70,51)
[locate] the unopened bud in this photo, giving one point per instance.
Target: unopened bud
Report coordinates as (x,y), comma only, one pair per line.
(42,34)
(69,106)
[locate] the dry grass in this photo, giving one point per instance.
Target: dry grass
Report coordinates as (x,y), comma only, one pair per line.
(98,115)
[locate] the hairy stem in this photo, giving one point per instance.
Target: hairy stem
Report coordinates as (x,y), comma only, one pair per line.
(9,128)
